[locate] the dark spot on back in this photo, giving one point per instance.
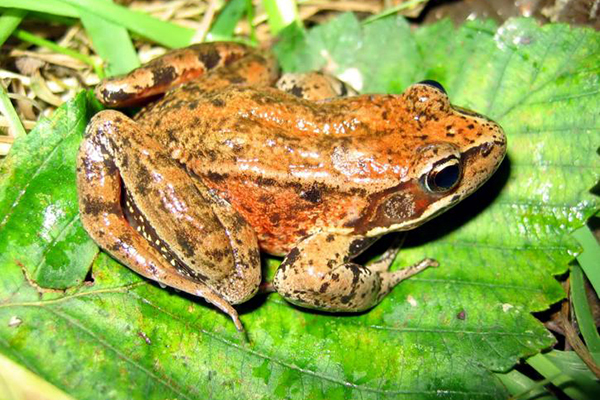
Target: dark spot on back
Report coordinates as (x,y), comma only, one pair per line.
(297,91)
(210,58)
(216,177)
(217,102)
(163,75)
(93,206)
(312,195)
(184,242)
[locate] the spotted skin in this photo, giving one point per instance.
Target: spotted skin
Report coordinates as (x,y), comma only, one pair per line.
(319,274)
(314,86)
(223,165)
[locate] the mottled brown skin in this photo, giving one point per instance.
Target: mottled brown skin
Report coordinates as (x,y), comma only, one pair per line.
(224,165)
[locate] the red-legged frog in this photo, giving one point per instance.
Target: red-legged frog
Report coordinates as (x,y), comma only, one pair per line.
(225,165)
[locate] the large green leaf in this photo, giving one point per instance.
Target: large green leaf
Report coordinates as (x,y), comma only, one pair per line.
(440,334)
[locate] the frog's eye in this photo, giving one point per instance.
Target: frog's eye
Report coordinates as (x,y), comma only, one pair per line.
(444,175)
(434,84)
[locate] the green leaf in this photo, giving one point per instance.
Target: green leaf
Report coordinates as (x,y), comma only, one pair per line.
(40,232)
(439,334)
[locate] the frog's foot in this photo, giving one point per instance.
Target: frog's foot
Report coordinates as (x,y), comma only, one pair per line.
(390,279)
(183,65)
(319,274)
(314,86)
(387,258)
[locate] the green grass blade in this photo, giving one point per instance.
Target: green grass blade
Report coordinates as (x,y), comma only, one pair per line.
(393,10)
(281,13)
(542,364)
(38,41)
(18,383)
(584,313)
(7,109)
(570,364)
(589,259)
(116,48)
(55,7)
(9,21)
(162,32)
(228,18)
(522,387)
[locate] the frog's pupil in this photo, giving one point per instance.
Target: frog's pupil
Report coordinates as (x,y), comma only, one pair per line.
(447,177)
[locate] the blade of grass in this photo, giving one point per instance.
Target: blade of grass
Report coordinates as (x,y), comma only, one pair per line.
(550,371)
(584,314)
(281,13)
(7,109)
(522,387)
(55,7)
(589,259)
(572,365)
(38,41)
(51,18)
(227,20)
(162,32)
(17,382)
(9,21)
(393,10)
(112,43)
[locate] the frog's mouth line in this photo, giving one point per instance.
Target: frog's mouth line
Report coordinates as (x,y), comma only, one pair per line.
(139,223)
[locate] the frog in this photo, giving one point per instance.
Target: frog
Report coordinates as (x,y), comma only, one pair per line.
(227,158)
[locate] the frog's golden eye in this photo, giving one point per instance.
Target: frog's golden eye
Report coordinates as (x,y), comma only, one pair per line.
(444,175)
(434,84)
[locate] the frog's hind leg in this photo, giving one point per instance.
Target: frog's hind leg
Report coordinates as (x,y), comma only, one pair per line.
(314,86)
(319,274)
(183,65)
(101,156)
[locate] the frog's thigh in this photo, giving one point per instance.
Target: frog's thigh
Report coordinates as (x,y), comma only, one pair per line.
(314,86)
(101,155)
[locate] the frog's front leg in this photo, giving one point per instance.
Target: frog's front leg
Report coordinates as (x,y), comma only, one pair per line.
(319,274)
(185,237)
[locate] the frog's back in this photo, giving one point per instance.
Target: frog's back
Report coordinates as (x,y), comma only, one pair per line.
(290,166)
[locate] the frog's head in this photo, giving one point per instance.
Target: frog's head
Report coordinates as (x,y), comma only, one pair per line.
(452,152)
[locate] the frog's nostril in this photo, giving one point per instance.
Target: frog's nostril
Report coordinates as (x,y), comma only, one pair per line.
(434,84)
